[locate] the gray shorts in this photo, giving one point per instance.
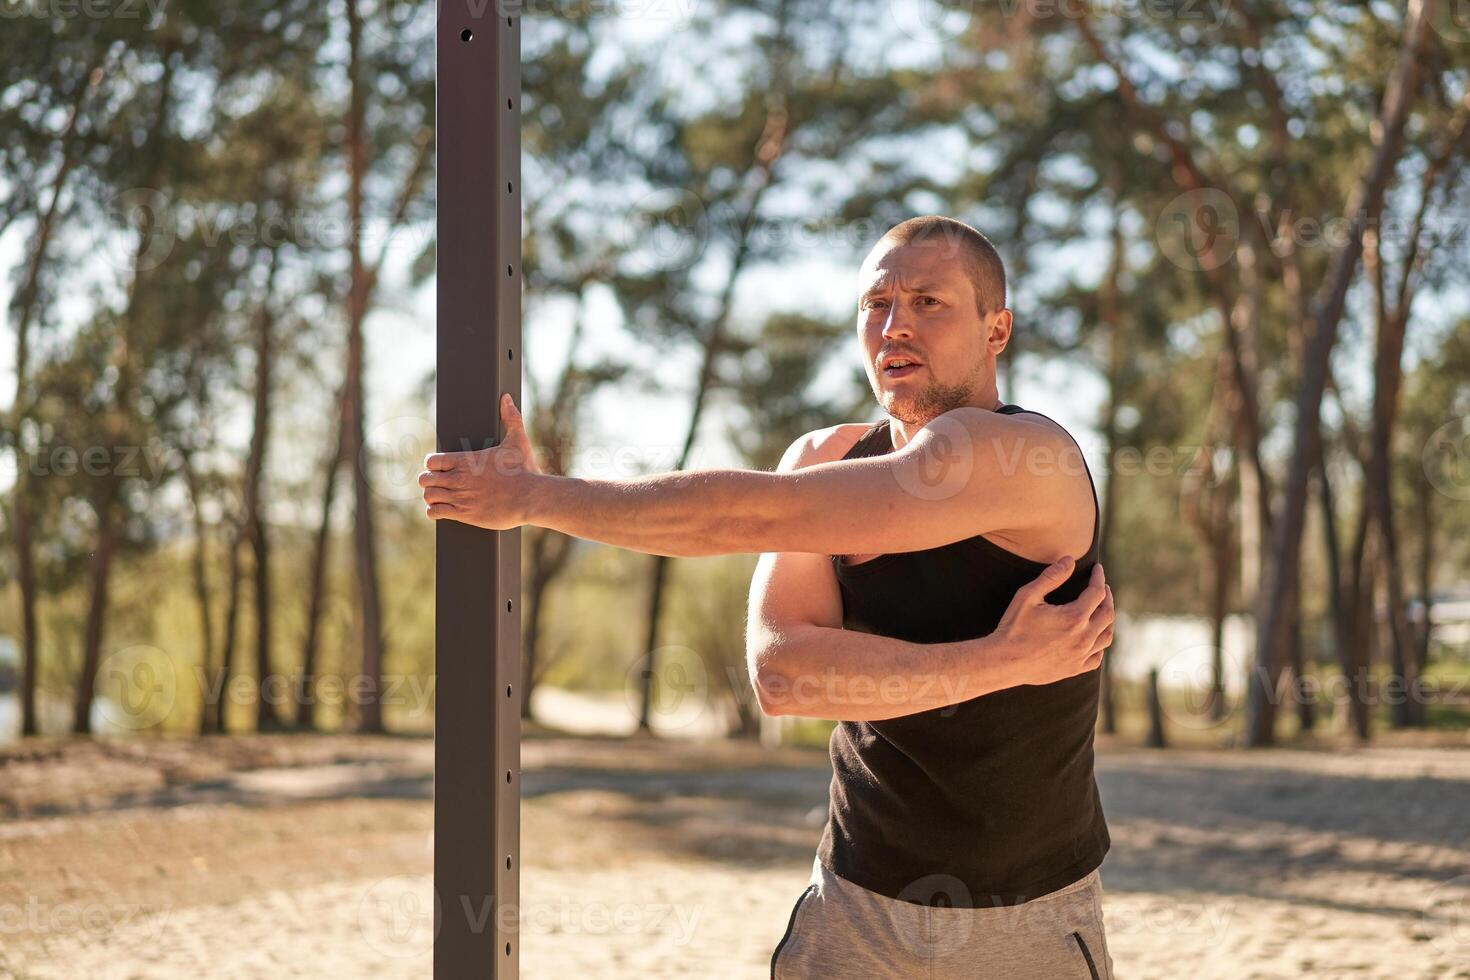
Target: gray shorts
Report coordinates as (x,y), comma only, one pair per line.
(840,930)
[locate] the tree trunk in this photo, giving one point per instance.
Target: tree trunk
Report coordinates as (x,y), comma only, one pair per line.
(657,577)
(549,553)
(115,419)
(1221,560)
(1365,206)
(370,714)
(1359,619)
(201,587)
(1424,513)
(1236,312)
(771,143)
(216,715)
(26,573)
(26,303)
(1392,321)
(553,429)
(96,618)
(306,717)
(1342,630)
(1205,504)
(267,717)
(1110,309)
(1156,738)
(534,599)
(1301,691)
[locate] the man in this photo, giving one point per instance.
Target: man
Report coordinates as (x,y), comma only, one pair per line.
(910,587)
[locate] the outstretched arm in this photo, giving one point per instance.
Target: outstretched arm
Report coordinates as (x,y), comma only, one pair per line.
(969,472)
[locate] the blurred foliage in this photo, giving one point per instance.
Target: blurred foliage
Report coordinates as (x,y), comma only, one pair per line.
(671,171)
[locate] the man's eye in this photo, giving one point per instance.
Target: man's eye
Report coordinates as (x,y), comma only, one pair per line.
(874,304)
(927,300)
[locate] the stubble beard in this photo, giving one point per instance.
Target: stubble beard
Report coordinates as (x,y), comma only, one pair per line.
(930,402)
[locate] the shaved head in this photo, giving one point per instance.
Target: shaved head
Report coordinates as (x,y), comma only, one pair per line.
(982,264)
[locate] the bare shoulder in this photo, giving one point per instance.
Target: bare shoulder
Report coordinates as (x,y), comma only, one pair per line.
(1059,516)
(823,445)
(1026,437)
(1027,424)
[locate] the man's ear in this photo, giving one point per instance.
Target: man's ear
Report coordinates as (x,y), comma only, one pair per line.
(999,332)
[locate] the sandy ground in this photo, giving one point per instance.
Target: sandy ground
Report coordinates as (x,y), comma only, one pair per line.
(308,857)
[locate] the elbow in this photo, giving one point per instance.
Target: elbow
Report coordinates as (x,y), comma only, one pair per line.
(770,690)
(771,686)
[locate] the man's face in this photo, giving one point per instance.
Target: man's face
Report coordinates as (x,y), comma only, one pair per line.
(916,303)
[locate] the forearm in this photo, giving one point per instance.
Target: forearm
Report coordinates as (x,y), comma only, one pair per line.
(845,675)
(683,514)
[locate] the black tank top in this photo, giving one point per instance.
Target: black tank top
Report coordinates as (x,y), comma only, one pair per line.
(988,802)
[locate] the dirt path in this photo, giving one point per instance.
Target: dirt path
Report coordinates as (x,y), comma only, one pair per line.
(292,857)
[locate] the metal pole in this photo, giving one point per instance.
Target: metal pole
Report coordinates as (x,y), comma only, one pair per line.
(477,750)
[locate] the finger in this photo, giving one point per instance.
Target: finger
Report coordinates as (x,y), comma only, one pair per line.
(510,416)
(441,511)
(439,495)
(440,462)
(453,479)
(1101,642)
(1091,597)
(1103,615)
(1051,576)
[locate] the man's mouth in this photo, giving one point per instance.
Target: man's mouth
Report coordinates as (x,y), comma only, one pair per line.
(899,367)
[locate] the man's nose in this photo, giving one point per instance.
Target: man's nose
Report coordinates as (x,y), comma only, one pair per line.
(897,324)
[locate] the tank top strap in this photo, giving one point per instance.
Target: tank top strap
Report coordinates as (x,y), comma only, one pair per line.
(875,441)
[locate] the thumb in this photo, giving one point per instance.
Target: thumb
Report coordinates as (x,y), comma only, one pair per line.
(510,416)
(516,436)
(1052,576)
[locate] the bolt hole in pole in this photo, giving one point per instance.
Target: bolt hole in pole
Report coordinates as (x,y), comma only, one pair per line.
(466,35)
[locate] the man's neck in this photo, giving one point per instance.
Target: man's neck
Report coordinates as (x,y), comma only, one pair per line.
(901,431)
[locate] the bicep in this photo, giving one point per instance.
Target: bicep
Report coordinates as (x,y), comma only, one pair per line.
(789,591)
(793,589)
